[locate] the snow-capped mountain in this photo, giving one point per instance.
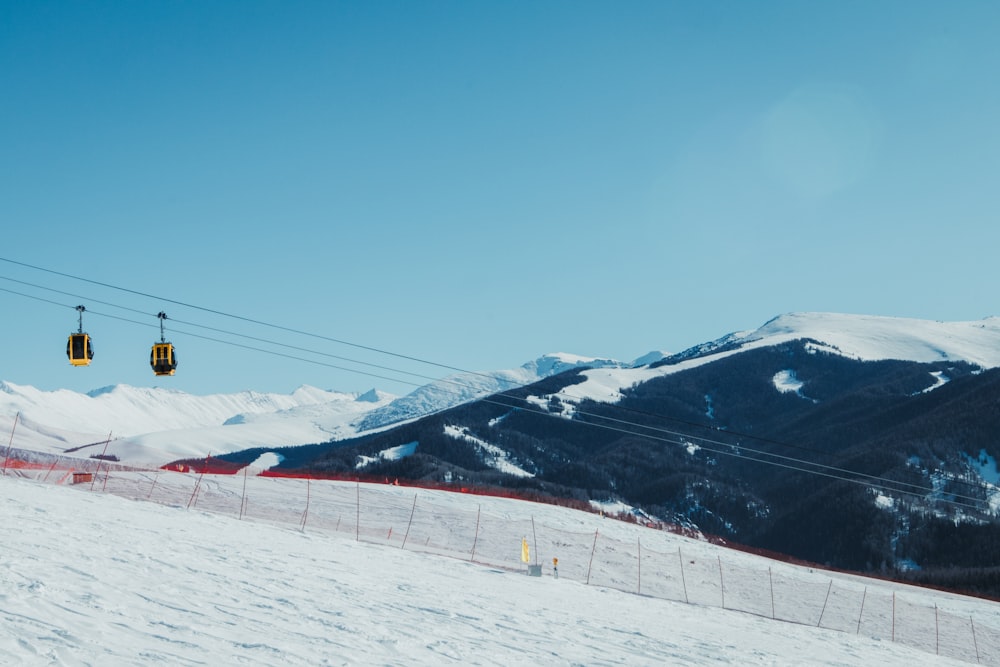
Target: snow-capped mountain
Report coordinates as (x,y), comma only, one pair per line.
(155,425)
(861,337)
(874,425)
(457,389)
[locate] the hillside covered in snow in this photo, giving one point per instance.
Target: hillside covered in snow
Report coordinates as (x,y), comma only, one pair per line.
(153,426)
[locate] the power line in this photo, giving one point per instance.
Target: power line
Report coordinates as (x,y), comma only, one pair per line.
(736,451)
(455,384)
(238,317)
(779,460)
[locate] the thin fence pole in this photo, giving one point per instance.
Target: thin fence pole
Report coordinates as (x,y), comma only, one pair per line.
(770,579)
(10,443)
(592,550)
(475,540)
(243,499)
(937,631)
(305,513)
(638,542)
(534,539)
(100,461)
(825,601)
(49,471)
(683,580)
(197,487)
(974,641)
(862,612)
(894,616)
(722,584)
(410,522)
(156,477)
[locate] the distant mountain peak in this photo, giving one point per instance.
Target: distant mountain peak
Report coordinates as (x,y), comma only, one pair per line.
(650,358)
(559,362)
(371,396)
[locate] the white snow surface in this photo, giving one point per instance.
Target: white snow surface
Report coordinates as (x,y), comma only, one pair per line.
(156,425)
(90,578)
(492,455)
(786,382)
(863,337)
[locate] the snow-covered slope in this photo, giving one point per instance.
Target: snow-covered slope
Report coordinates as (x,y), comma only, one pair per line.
(153,425)
(88,578)
(457,389)
(862,337)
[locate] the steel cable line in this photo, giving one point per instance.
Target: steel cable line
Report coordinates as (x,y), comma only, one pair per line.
(456,384)
(445,380)
(709,427)
(226,342)
(760,452)
(257,349)
(495,378)
(240,317)
(202,326)
(875,480)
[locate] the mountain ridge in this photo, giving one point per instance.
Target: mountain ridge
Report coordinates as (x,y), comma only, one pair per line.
(145,421)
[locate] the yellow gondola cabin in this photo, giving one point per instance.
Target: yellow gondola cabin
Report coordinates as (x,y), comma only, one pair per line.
(163,358)
(79,349)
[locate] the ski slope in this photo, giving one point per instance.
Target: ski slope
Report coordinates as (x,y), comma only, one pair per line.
(89,578)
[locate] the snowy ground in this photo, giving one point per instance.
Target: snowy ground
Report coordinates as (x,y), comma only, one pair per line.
(91,578)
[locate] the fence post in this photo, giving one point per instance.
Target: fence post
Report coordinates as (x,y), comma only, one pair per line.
(10,444)
(243,500)
(99,462)
(410,522)
(592,550)
(156,477)
(861,613)
(722,584)
(197,486)
(305,513)
(770,579)
(825,601)
(534,539)
(974,641)
(475,540)
(638,542)
(683,581)
(937,631)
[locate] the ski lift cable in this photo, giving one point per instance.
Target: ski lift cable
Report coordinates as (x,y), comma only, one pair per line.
(872,478)
(869,481)
(238,317)
(511,383)
(202,326)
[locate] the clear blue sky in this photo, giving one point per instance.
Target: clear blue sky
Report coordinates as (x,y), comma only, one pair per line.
(479,183)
